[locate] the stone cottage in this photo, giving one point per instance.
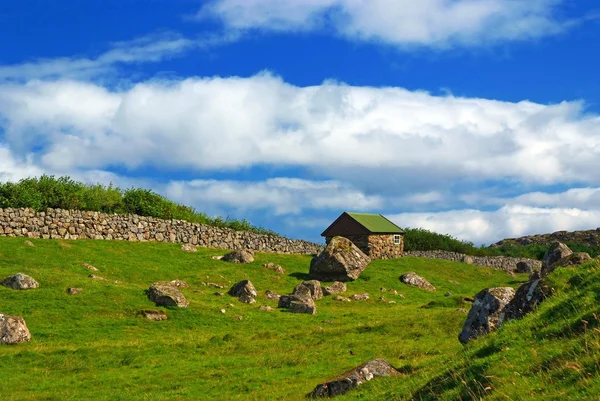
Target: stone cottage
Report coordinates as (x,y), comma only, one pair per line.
(375,235)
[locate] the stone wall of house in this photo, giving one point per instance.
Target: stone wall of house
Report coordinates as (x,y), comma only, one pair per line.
(377,246)
(74,224)
(495,262)
(383,247)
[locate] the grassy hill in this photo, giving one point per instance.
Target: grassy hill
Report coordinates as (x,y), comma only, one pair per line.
(95,345)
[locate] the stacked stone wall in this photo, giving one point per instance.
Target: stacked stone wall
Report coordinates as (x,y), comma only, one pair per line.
(377,246)
(505,263)
(75,224)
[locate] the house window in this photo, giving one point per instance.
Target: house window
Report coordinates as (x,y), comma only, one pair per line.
(396,239)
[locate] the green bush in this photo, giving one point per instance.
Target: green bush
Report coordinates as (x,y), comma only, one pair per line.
(64,193)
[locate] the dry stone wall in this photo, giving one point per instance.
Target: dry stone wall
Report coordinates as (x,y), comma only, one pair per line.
(75,224)
(495,262)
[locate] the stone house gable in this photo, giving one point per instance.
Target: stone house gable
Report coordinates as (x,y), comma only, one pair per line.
(375,235)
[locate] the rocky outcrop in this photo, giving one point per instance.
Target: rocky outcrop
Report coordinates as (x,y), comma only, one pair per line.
(412,278)
(164,293)
(239,256)
(74,224)
(20,281)
(244,291)
(336,288)
(353,378)
(504,263)
(487,312)
(340,261)
(585,237)
(13,330)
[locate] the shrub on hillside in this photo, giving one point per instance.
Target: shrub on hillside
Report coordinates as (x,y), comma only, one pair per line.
(64,193)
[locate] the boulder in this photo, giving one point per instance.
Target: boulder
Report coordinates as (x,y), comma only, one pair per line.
(20,281)
(13,330)
(163,293)
(341,298)
(266,308)
(341,260)
(73,291)
(412,278)
(487,312)
(239,256)
(524,267)
(527,298)
(555,253)
(360,297)
(189,248)
(153,314)
(353,378)
(308,307)
(272,295)
(336,288)
(574,259)
(274,267)
(286,300)
(244,291)
(312,286)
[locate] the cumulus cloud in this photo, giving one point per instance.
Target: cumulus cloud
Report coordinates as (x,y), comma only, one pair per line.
(436,23)
(485,227)
(282,195)
(361,134)
(12,169)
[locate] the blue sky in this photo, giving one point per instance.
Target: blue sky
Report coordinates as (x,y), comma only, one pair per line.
(475,118)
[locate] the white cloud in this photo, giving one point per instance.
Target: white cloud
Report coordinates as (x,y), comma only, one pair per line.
(436,23)
(507,222)
(360,135)
(12,169)
(152,48)
(282,195)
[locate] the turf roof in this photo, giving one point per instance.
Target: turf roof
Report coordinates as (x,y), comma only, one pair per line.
(376,223)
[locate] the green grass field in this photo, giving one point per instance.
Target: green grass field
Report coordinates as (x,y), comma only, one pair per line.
(95,345)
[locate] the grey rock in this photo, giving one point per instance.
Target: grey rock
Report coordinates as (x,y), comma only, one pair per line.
(412,278)
(20,281)
(335,288)
(274,267)
(163,293)
(244,291)
(353,378)
(527,299)
(266,308)
(13,330)
(308,307)
(524,267)
(341,298)
(239,256)
(312,288)
(271,295)
(189,248)
(487,312)
(554,254)
(153,314)
(360,297)
(341,260)
(73,291)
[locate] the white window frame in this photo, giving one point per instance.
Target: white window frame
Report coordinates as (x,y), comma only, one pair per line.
(397,238)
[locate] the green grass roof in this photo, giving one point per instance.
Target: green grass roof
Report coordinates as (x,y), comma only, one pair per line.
(376,223)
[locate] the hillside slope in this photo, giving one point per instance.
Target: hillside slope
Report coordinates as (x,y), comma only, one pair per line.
(95,345)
